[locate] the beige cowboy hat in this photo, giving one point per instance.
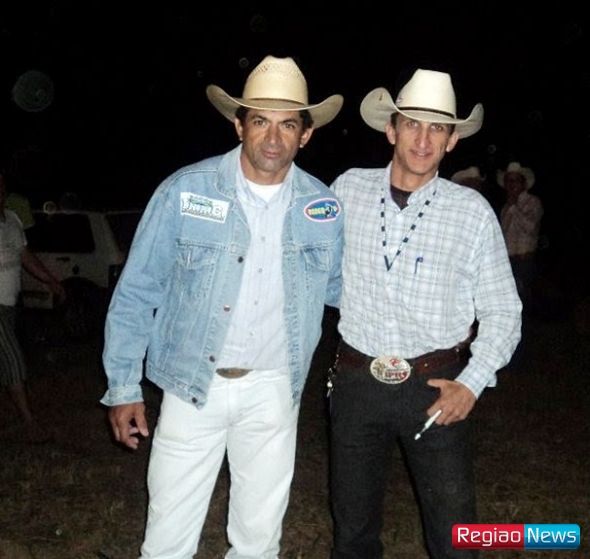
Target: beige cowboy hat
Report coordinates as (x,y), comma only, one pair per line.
(428,96)
(515,167)
(472,172)
(276,84)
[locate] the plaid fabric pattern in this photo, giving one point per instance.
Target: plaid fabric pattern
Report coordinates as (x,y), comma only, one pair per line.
(454,269)
(521,223)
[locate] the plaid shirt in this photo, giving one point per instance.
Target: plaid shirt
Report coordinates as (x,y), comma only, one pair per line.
(521,223)
(453,269)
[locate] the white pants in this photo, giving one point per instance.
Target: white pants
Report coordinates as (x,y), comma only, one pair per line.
(253,418)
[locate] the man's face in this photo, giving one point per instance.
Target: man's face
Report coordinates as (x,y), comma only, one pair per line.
(270,141)
(514,184)
(419,146)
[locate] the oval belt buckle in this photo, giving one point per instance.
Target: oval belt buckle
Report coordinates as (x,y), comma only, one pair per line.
(390,369)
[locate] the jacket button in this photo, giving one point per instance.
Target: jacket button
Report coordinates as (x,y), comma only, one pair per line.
(226,308)
(240,259)
(212,358)
(194,400)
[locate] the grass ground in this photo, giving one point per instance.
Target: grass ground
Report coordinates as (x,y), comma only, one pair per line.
(82,497)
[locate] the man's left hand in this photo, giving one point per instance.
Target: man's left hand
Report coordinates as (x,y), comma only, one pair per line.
(455,401)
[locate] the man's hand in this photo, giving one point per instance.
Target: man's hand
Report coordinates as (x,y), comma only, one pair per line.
(128,423)
(455,401)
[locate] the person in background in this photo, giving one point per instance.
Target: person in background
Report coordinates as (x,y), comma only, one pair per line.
(520,217)
(471,177)
(14,256)
(21,206)
(424,258)
(224,287)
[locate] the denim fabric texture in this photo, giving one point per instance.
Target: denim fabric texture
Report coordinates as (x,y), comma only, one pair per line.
(184,271)
(368,418)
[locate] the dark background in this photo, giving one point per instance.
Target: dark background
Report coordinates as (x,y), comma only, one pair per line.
(129,80)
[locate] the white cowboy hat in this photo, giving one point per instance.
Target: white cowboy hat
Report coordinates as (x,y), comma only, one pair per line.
(469,173)
(429,96)
(276,84)
(515,167)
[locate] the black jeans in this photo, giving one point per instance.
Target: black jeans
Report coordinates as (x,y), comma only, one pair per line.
(367,418)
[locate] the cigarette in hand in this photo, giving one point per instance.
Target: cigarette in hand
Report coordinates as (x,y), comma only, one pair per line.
(430,421)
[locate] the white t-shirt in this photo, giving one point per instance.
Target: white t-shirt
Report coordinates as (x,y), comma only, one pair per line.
(12,242)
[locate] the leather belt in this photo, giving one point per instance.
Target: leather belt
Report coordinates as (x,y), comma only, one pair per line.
(232,372)
(427,363)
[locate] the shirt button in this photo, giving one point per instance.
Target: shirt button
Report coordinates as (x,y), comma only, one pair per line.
(212,358)
(240,259)
(226,308)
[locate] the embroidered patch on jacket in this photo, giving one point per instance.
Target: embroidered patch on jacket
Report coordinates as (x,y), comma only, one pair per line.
(325,209)
(203,207)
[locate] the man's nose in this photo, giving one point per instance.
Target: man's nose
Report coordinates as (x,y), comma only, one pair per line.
(423,137)
(273,134)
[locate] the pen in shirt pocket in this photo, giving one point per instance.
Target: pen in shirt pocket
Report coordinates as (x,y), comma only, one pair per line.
(418,260)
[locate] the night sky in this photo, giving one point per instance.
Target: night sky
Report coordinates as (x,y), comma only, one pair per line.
(129,102)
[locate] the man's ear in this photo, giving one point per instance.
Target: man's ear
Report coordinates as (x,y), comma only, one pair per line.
(305,137)
(390,133)
(453,139)
(239,128)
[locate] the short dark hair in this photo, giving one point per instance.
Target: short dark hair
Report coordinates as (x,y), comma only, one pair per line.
(307,121)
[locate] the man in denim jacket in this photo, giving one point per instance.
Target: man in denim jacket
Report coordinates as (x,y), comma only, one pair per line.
(223,295)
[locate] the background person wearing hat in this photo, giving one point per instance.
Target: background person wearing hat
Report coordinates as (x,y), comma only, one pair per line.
(471,177)
(224,288)
(424,258)
(520,218)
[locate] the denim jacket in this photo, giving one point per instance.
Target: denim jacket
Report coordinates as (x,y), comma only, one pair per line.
(170,310)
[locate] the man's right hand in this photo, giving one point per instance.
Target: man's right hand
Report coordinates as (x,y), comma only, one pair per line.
(129,424)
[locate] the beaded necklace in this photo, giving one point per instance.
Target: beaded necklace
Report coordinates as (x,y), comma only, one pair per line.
(406,237)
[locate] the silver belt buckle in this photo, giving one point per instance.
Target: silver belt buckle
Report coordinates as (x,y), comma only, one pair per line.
(390,369)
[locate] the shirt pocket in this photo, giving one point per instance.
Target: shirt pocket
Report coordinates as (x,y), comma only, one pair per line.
(423,283)
(317,263)
(195,269)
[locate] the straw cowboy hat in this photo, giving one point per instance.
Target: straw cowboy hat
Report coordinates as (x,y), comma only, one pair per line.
(428,96)
(515,167)
(471,173)
(276,84)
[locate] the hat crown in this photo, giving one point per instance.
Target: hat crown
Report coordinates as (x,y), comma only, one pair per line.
(276,84)
(516,167)
(428,90)
(276,78)
(472,172)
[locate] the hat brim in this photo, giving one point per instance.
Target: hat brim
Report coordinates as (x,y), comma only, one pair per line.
(529,178)
(321,113)
(378,106)
(471,173)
